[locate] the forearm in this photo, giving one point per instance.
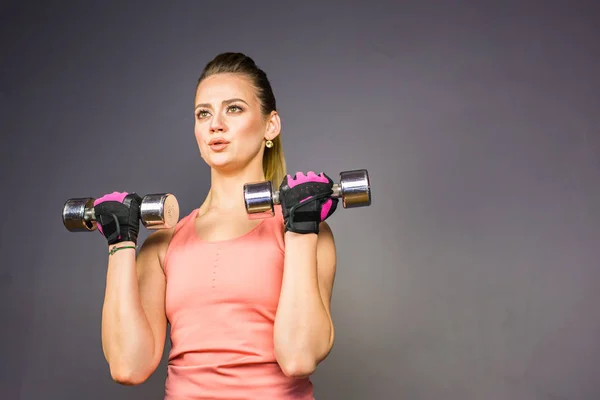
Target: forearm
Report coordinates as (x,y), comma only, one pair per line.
(127,338)
(303,328)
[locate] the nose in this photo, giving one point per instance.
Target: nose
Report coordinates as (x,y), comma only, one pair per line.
(217,124)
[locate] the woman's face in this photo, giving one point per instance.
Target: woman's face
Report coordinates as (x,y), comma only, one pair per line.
(229,126)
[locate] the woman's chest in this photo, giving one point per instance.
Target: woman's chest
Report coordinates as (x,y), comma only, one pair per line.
(245,272)
(223,227)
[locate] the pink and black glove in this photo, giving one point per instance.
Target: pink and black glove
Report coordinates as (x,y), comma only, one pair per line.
(118,216)
(306,201)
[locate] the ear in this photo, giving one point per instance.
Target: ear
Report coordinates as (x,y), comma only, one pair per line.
(273,126)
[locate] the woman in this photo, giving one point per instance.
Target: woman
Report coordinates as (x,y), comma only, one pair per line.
(248,300)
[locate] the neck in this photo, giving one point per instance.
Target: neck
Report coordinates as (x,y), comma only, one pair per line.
(226,192)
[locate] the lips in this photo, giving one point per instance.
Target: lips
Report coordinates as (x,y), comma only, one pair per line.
(218,141)
(218,144)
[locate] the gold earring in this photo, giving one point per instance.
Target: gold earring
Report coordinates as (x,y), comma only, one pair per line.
(269,144)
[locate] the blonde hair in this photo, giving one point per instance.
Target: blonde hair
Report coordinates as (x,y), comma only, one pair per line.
(274,163)
(274,166)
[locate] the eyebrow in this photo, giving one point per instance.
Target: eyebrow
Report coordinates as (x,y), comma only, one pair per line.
(229,101)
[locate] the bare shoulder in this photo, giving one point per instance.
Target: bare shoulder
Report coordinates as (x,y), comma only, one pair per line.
(325,229)
(155,246)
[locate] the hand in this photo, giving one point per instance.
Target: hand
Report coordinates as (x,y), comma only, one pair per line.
(118,216)
(306,201)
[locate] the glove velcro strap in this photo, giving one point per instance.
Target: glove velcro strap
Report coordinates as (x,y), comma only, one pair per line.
(305,216)
(110,227)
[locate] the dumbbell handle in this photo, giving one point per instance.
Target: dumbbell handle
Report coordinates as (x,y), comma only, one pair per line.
(337,193)
(89,214)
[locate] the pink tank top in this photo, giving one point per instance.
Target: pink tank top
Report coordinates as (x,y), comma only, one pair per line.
(221,302)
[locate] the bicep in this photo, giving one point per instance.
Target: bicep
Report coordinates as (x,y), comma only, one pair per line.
(152,288)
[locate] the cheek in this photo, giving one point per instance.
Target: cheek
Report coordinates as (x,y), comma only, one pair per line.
(250,131)
(199,140)
(198,134)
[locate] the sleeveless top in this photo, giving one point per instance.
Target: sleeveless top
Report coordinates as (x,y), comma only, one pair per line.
(221,300)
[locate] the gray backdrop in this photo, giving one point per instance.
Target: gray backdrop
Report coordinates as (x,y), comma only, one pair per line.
(475,273)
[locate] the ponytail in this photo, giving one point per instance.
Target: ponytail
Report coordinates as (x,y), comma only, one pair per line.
(274,163)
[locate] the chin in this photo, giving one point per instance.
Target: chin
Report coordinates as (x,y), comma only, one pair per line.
(221,163)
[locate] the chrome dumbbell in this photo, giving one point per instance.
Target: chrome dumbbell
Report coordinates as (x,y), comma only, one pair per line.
(157,211)
(354,189)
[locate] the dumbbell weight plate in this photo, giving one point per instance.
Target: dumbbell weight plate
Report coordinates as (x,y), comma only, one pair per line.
(159,211)
(78,215)
(355,188)
(260,199)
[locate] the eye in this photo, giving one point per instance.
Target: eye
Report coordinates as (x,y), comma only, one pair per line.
(202,114)
(234,109)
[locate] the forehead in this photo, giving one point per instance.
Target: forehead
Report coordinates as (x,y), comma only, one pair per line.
(219,87)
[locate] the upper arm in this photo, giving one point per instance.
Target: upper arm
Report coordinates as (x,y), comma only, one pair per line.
(326,266)
(152,287)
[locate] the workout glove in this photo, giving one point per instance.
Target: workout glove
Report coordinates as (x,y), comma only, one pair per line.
(306,201)
(118,216)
